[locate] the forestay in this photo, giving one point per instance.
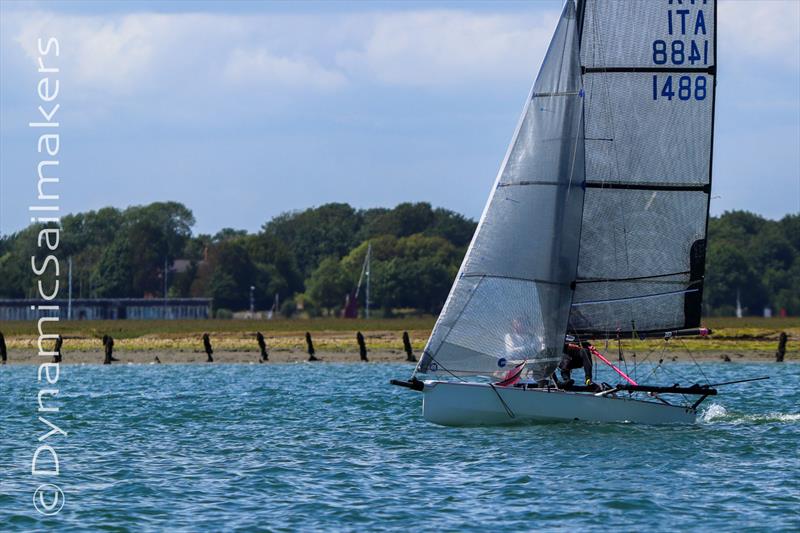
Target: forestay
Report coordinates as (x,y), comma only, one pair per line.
(510,302)
(649,77)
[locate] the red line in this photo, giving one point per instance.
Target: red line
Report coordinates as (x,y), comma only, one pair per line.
(600,356)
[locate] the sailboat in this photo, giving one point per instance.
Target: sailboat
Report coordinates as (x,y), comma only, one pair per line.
(595,227)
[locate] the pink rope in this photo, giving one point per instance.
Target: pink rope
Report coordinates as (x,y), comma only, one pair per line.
(600,356)
(512,377)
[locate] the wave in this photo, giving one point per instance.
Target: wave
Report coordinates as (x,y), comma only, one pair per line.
(717,413)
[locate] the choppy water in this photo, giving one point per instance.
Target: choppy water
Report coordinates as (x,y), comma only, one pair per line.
(285,447)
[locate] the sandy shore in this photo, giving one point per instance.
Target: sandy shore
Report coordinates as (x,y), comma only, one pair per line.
(377,356)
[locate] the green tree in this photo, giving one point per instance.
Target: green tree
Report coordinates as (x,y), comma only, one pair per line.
(174,221)
(728,273)
(316,233)
(16,279)
(414,272)
(327,285)
(225,291)
(275,258)
(232,272)
(790,227)
(112,277)
(226,234)
(454,227)
(151,252)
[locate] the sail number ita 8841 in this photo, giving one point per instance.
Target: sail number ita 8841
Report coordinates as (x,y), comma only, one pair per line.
(680,87)
(680,52)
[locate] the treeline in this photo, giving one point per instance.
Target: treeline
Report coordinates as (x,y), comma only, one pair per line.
(310,259)
(757,260)
(313,259)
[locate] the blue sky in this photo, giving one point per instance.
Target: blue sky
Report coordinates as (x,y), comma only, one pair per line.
(245,110)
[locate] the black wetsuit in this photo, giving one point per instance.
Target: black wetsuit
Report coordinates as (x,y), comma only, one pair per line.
(575,358)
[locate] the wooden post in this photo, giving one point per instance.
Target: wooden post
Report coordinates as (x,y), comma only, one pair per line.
(310,346)
(57,349)
(779,355)
(3,352)
(108,345)
(207,346)
(362,346)
(262,345)
(407,347)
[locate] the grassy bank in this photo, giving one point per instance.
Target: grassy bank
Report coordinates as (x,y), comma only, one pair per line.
(329,334)
(338,335)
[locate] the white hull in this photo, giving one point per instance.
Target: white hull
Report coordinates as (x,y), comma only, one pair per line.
(472,404)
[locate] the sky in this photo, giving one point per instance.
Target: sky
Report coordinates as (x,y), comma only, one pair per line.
(244,110)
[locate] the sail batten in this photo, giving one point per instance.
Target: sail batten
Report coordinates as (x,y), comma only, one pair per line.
(639,297)
(497,276)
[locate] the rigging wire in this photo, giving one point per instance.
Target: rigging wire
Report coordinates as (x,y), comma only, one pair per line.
(655,368)
(505,405)
(622,358)
(695,360)
(440,365)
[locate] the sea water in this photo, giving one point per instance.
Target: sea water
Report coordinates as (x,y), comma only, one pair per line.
(334,447)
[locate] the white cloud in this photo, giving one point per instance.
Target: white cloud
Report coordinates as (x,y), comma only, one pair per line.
(766,31)
(260,66)
(444,48)
(439,49)
(125,53)
(114,54)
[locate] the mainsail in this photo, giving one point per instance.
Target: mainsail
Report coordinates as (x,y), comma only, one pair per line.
(649,76)
(511,299)
(596,224)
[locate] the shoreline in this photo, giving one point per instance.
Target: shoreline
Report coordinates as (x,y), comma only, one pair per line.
(376,356)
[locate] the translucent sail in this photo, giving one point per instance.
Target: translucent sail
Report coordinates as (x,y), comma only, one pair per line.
(510,301)
(649,77)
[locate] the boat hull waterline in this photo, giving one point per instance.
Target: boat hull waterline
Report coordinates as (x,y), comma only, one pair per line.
(451,403)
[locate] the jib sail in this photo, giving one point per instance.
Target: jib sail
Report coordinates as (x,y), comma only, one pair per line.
(511,299)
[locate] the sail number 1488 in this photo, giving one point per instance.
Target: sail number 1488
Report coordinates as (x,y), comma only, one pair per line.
(682,87)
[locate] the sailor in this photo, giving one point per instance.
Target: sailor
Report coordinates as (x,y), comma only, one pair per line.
(575,356)
(521,343)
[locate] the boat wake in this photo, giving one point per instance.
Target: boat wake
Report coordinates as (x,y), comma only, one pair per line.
(714,412)
(717,413)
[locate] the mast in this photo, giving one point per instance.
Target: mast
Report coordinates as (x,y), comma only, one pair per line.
(580,11)
(366,294)
(738,305)
(365,272)
(69,292)
(711,147)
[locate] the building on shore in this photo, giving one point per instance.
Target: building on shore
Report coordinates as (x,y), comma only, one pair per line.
(109,309)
